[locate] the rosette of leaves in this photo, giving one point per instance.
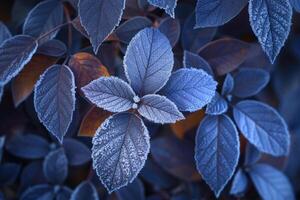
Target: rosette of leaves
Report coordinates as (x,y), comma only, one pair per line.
(270,20)
(217,148)
(121,144)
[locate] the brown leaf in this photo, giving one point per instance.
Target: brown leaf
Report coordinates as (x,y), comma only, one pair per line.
(23,84)
(86,68)
(225,55)
(92,121)
(191,121)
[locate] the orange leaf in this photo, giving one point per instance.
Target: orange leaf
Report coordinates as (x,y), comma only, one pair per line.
(191,121)
(86,68)
(23,84)
(91,121)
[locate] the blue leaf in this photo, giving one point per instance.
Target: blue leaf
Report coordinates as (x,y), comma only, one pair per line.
(55,166)
(54,99)
(228,85)
(4,33)
(63,193)
(148,61)
(239,184)
(171,29)
(99,18)
(217,106)
(194,60)
(85,190)
(9,173)
(2,141)
(43,192)
(133,191)
(217,151)
(190,89)
(126,31)
(15,53)
(159,109)
(193,39)
(27,178)
(210,13)
(270,183)
(250,81)
(155,175)
(252,155)
(263,127)
(295,4)
(76,152)
(271,21)
(110,93)
(53,48)
(44,17)
(120,149)
(28,146)
(168,5)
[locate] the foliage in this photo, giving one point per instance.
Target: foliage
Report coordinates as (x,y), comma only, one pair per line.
(159,99)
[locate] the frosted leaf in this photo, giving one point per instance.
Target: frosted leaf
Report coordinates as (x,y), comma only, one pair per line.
(210,13)
(249,82)
(217,151)
(271,183)
(15,53)
(99,18)
(228,85)
(271,21)
(263,127)
(54,99)
(110,93)
(239,184)
(120,149)
(217,106)
(4,33)
(148,61)
(190,89)
(159,109)
(168,5)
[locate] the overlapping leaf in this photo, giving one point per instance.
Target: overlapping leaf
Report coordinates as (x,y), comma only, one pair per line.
(190,89)
(76,152)
(112,94)
(4,33)
(225,55)
(44,17)
(126,31)
(193,60)
(263,127)
(23,84)
(239,183)
(54,48)
(99,18)
(217,106)
(120,149)
(15,53)
(271,183)
(249,82)
(159,109)
(271,21)
(85,190)
(295,4)
(148,61)
(28,146)
(86,68)
(228,85)
(134,190)
(211,13)
(171,28)
(168,5)
(55,166)
(217,151)
(54,99)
